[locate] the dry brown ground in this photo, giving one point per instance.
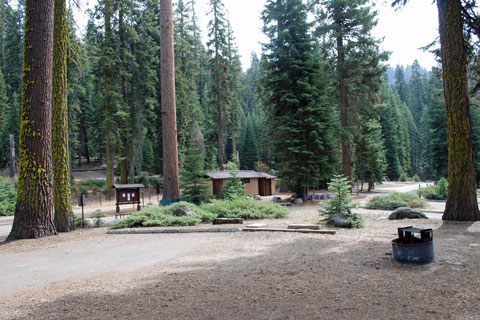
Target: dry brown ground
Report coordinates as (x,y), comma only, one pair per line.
(350,275)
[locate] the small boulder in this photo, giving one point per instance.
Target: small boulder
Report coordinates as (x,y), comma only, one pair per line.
(339,220)
(182,212)
(299,201)
(406,213)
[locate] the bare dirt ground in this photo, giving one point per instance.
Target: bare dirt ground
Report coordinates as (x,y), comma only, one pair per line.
(349,275)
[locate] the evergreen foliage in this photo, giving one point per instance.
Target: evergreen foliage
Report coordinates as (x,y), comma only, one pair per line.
(396,200)
(342,201)
(295,86)
(192,178)
(233,188)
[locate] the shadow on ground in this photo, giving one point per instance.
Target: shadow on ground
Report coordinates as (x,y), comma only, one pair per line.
(307,278)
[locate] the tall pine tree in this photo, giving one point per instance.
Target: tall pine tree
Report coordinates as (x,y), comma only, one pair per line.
(295,85)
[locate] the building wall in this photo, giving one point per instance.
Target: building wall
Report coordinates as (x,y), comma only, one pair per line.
(252,187)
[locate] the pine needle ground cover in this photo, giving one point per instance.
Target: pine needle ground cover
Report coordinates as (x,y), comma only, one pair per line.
(396,200)
(238,208)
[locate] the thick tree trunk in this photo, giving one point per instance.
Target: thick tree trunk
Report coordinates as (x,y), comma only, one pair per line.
(64,221)
(34,208)
(171,184)
(461,198)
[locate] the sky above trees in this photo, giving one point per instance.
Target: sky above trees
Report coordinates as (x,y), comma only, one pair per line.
(404,30)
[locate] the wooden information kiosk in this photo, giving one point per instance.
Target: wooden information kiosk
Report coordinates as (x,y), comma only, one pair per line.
(128,194)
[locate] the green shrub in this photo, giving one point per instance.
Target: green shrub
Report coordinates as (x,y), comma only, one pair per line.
(8,197)
(437,191)
(402,178)
(143,179)
(355,220)
(164,217)
(89,183)
(83,190)
(80,223)
(238,208)
(342,201)
(246,209)
(396,200)
(416,178)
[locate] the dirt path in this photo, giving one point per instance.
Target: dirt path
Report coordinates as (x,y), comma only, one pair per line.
(350,275)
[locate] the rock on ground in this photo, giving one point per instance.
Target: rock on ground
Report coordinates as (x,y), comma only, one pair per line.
(406,213)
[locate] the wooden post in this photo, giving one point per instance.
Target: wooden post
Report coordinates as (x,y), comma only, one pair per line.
(12,157)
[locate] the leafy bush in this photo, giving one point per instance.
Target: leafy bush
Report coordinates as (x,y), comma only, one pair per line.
(355,220)
(83,190)
(416,178)
(396,200)
(80,223)
(437,191)
(164,216)
(402,178)
(238,208)
(143,179)
(341,202)
(8,197)
(246,209)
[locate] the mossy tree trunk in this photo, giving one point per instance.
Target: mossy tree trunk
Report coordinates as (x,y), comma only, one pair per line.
(64,221)
(171,184)
(34,208)
(461,198)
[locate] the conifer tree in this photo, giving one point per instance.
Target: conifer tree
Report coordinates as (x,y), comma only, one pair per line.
(356,60)
(295,85)
(34,208)
(219,65)
(462,193)
(64,221)
(249,151)
(193,178)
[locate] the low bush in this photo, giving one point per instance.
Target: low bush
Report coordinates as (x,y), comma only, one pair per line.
(90,183)
(238,208)
(402,178)
(355,220)
(396,200)
(8,197)
(437,191)
(246,209)
(164,217)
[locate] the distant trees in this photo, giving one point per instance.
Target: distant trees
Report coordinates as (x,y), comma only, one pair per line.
(295,87)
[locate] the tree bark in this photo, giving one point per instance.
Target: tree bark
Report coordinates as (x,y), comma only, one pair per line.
(108,107)
(12,157)
(343,103)
(462,197)
(64,220)
(171,184)
(34,207)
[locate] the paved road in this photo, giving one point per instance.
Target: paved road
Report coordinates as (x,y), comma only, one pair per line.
(85,259)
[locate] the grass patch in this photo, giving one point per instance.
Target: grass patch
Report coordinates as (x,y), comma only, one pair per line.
(396,200)
(238,208)
(8,197)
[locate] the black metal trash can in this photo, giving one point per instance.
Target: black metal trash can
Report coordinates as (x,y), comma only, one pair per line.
(410,249)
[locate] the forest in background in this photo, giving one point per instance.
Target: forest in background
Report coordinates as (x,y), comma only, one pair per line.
(394,125)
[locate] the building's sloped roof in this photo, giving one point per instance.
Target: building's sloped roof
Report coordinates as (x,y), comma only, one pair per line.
(243,174)
(128,186)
